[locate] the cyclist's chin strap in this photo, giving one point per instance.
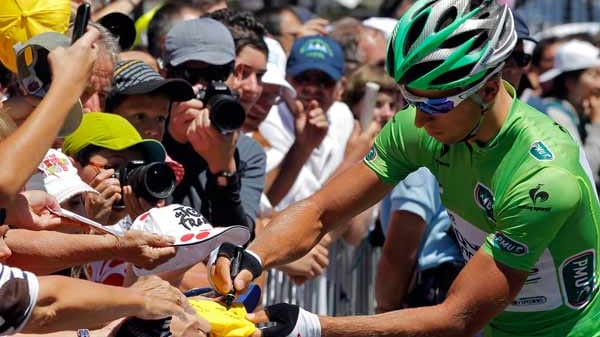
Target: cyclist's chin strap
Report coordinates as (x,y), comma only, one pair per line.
(484,108)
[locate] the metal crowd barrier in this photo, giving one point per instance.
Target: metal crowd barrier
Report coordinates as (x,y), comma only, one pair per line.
(347,287)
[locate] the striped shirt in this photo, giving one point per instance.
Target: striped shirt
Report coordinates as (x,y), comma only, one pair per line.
(18,295)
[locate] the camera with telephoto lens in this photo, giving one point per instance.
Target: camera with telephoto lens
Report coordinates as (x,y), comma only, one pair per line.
(151,181)
(226,112)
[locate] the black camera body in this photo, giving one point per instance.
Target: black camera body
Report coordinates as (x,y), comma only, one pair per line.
(226,112)
(151,181)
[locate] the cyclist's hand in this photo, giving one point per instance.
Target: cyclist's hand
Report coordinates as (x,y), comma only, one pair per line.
(291,321)
(219,266)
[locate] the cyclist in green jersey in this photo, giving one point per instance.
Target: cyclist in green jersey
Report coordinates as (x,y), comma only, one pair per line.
(518,189)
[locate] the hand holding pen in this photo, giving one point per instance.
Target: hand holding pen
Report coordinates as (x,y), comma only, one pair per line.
(235,269)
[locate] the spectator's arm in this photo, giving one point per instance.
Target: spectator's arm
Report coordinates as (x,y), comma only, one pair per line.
(282,178)
(45,252)
(67,304)
(238,202)
(398,260)
(592,148)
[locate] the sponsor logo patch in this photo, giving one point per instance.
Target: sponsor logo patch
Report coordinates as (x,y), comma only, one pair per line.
(577,278)
(538,196)
(372,154)
(540,151)
(505,243)
(485,200)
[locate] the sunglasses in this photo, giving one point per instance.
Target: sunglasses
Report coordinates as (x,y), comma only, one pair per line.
(443,105)
(201,75)
(521,59)
(321,80)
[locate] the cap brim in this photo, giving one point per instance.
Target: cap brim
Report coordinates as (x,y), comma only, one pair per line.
(272,78)
(67,189)
(177,90)
(211,57)
(153,150)
(549,75)
(72,121)
(305,66)
(196,250)
(121,26)
(528,38)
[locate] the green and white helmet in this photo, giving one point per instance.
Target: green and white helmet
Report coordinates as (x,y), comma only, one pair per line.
(448,44)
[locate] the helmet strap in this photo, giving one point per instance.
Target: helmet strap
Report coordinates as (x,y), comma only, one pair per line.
(484,108)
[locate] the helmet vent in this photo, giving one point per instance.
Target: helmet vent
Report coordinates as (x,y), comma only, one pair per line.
(459,39)
(446,18)
(415,31)
(419,70)
(452,75)
(480,41)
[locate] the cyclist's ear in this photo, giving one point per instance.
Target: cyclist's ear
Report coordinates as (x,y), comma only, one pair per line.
(490,89)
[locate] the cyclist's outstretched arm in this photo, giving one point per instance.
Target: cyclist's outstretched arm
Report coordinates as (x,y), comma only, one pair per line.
(480,292)
(293,232)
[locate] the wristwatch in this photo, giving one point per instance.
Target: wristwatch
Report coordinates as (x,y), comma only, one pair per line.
(224,178)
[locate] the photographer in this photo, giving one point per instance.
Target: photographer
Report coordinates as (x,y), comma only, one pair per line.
(224,169)
(112,157)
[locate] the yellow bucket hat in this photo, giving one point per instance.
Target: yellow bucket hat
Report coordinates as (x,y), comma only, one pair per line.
(20,20)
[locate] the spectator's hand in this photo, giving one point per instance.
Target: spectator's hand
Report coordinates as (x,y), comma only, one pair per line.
(182,115)
(591,108)
(161,299)
(361,141)
(31,210)
(316,26)
(135,205)
(216,148)
(311,124)
(309,266)
(98,207)
(146,250)
(5,252)
(72,67)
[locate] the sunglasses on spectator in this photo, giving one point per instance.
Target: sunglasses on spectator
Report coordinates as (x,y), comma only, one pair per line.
(442,105)
(521,59)
(199,75)
(319,79)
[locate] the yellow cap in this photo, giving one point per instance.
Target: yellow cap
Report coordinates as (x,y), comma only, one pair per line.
(20,20)
(223,322)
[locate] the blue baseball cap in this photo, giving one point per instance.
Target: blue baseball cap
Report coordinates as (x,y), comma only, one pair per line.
(316,53)
(521,28)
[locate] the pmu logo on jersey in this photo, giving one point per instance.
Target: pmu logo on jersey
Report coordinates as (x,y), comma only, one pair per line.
(372,154)
(577,279)
(505,243)
(485,200)
(540,151)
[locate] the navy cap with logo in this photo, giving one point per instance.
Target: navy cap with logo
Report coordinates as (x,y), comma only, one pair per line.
(316,53)
(202,39)
(521,28)
(134,77)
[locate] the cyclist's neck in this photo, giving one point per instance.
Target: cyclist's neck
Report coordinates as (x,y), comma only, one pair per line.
(494,118)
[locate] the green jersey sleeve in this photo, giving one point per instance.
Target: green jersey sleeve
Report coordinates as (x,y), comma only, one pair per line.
(399,148)
(529,216)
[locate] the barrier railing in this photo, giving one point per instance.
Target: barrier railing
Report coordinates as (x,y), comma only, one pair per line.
(345,289)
